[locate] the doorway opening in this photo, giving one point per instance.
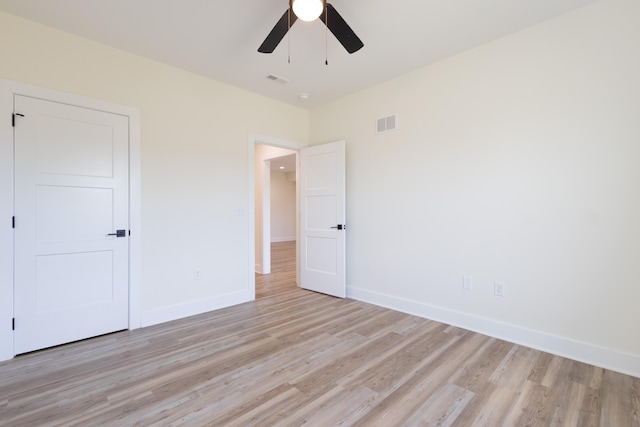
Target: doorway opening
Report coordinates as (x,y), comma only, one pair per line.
(320,203)
(275,217)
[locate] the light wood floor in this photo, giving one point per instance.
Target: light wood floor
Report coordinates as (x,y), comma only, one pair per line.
(295,357)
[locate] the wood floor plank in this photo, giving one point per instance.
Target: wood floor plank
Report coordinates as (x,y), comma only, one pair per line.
(337,407)
(398,365)
(295,357)
(474,372)
(635,399)
(567,412)
(442,408)
(489,407)
(515,368)
(618,400)
(404,400)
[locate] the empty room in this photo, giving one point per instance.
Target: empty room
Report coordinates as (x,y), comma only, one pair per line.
(452,240)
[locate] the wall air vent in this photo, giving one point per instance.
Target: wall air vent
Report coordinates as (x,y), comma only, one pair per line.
(387,124)
(277,79)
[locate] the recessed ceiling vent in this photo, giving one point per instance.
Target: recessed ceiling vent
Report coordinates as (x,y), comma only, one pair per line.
(277,79)
(386,124)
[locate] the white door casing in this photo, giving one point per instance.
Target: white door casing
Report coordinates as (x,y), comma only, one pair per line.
(253,140)
(71,191)
(322,219)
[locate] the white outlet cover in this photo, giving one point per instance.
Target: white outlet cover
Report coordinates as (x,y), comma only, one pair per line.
(467,283)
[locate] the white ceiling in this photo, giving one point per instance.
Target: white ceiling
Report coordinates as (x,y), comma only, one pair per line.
(219,39)
(286,162)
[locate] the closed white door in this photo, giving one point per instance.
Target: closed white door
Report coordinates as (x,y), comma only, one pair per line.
(71,195)
(322,213)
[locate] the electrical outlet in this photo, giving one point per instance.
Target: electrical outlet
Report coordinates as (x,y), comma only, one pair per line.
(467,283)
(196,275)
(498,289)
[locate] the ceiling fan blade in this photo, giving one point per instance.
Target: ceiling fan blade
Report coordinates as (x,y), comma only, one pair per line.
(341,29)
(277,34)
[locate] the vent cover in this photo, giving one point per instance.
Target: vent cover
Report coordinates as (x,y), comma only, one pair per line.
(277,79)
(386,124)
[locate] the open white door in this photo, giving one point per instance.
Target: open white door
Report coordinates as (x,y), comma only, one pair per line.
(71,223)
(322,219)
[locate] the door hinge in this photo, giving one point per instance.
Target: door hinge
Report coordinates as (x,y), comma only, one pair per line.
(13,324)
(13,118)
(13,222)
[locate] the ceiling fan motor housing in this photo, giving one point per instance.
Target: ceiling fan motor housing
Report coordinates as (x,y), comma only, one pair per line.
(307,10)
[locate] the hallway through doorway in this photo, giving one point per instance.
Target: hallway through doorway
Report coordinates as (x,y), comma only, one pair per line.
(283,271)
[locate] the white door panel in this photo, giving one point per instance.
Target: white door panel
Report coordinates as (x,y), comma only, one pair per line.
(71,191)
(321,171)
(62,212)
(74,147)
(74,270)
(322,211)
(321,255)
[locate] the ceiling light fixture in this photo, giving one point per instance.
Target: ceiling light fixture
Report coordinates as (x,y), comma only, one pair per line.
(308,10)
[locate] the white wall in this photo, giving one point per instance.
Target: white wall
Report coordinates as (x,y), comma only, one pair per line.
(518,162)
(283,207)
(195,177)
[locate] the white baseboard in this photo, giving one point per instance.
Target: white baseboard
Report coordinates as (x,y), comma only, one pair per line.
(174,312)
(282,239)
(583,352)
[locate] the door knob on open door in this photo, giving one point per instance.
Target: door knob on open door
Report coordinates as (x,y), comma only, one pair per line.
(119,233)
(339,227)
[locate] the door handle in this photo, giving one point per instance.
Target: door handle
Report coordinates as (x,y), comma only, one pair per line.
(340,227)
(119,233)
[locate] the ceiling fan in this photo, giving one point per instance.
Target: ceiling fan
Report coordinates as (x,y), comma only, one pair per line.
(309,10)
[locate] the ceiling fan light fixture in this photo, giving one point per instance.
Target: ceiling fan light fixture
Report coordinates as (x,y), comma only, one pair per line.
(308,10)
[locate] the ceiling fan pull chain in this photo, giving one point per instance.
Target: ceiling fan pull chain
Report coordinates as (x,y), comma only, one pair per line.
(326,35)
(289,37)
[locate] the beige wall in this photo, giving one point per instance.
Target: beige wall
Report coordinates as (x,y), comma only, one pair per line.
(283,207)
(193,150)
(515,162)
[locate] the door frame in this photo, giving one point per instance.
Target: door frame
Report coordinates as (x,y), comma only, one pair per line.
(251,149)
(7,91)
